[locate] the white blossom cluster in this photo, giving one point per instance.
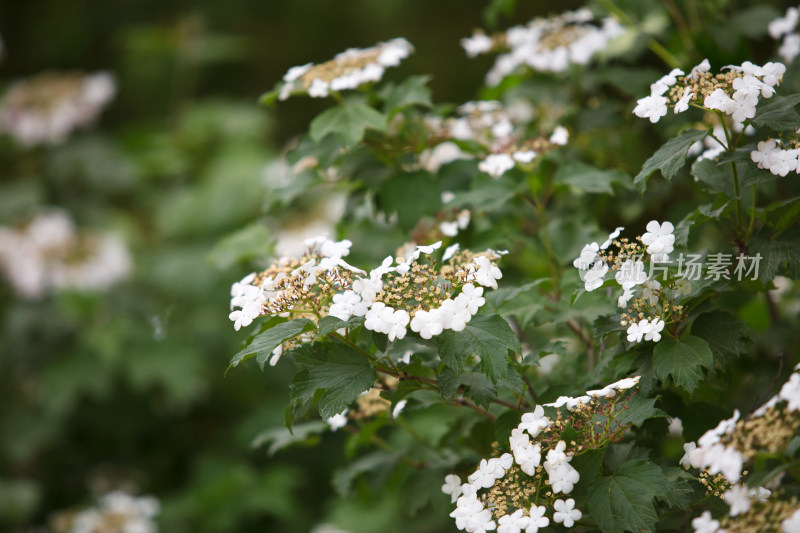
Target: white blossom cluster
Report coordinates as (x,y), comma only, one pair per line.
(775,156)
(402,293)
(248,300)
(545,44)
(347,70)
(362,299)
(497,164)
(786,27)
(49,253)
(46,108)
(659,241)
(710,453)
(736,94)
(498,128)
(118,512)
(528,452)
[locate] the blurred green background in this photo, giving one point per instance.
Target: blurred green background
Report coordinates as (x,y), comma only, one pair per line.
(126,389)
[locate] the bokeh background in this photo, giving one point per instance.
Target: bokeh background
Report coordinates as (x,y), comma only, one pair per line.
(126,388)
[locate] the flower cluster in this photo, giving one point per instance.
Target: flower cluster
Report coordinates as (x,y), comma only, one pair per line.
(777,155)
(645,314)
(786,27)
(49,253)
(117,512)
(735,92)
(347,70)
(505,492)
(723,452)
(403,292)
(544,44)
(46,108)
(498,129)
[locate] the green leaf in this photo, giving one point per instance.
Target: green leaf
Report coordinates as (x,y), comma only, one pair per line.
(335,370)
(412,196)
(487,336)
(725,334)
(306,434)
(590,179)
(248,243)
(348,122)
(412,91)
(329,324)
(263,344)
(683,360)
(477,387)
(503,426)
(640,408)
(783,250)
(778,113)
(680,492)
(624,501)
(702,214)
(669,158)
(344,477)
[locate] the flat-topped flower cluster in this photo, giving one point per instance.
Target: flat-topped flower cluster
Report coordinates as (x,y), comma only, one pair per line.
(723,452)
(645,314)
(545,44)
(347,70)
(46,108)
(500,130)
(505,492)
(411,290)
(49,253)
(735,92)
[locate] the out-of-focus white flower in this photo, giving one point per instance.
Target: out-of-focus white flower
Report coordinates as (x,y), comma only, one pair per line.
(705,524)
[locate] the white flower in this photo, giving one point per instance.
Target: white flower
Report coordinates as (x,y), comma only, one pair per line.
(561,477)
(487,273)
(471,297)
(651,107)
(496,164)
(625,383)
(587,257)
(761,156)
(319,88)
(344,304)
(566,513)
(476,45)
(729,463)
(527,455)
(606,392)
(785,24)
(630,274)
(397,324)
(593,278)
(705,524)
(452,486)
(718,100)
(659,238)
(738,498)
(470,514)
(427,250)
(653,333)
(557,455)
(683,104)
(637,330)
(790,47)
(513,523)
(703,66)
(627,294)
(338,421)
(611,236)
(534,422)
(524,156)
(662,85)
(650,291)
(790,392)
(427,323)
(449,229)
(450,251)
(455,314)
(560,136)
(537,519)
(791,524)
